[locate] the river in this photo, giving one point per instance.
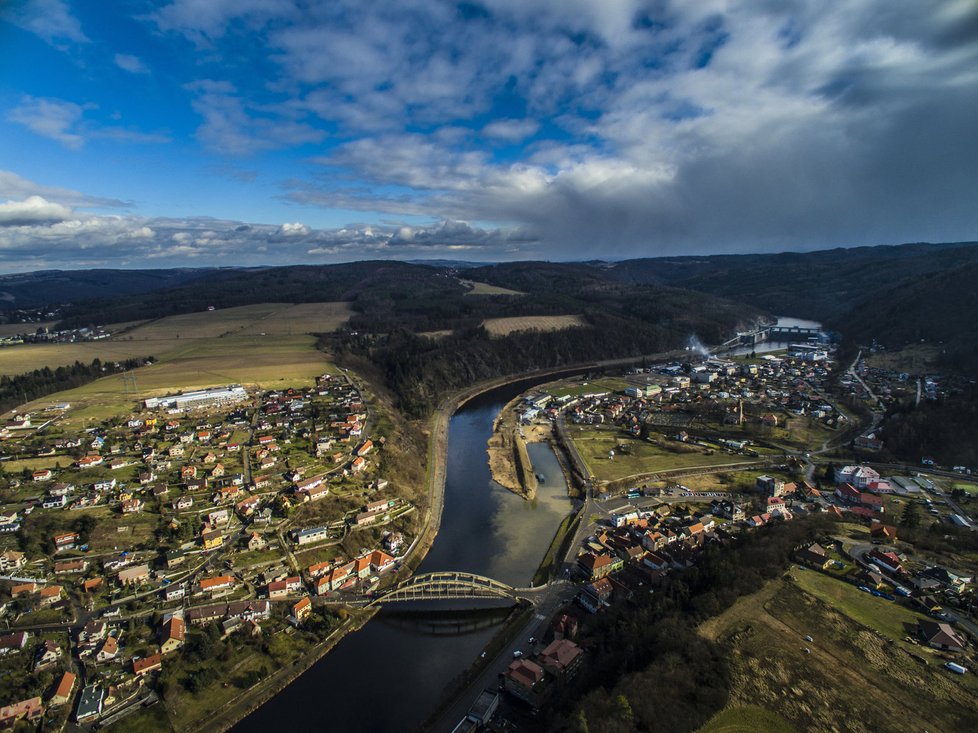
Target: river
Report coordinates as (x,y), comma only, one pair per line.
(392,674)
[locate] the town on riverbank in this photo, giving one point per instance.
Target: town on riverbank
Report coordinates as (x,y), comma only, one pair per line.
(147,553)
(679,461)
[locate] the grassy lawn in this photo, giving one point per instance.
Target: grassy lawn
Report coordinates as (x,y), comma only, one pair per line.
(117,532)
(745,481)
(914,358)
(747,719)
(640,457)
(966,487)
(889,618)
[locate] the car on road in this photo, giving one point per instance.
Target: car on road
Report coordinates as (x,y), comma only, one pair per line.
(517,654)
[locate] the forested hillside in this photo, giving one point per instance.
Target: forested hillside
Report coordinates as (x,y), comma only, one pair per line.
(895,294)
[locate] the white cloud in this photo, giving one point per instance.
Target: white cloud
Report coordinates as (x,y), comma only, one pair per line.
(32,210)
(52,118)
(50,19)
(511,130)
(294,229)
(13,186)
(132,64)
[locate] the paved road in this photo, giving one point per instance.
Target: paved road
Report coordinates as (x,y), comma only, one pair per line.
(488,677)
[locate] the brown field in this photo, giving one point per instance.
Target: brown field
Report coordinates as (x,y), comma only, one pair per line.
(250,346)
(487,289)
(503,326)
(185,336)
(851,679)
(12,329)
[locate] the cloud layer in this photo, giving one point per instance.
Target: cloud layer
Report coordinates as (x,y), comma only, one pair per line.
(563,130)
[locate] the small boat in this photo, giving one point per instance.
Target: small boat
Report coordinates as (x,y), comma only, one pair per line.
(541,478)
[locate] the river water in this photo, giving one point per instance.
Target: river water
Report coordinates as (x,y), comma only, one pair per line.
(392,674)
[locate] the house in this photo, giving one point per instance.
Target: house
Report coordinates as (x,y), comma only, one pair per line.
(134,576)
(12,560)
(311,534)
(848,493)
(131,506)
(50,594)
(946,578)
(211,539)
(70,566)
(302,610)
(13,642)
(108,651)
(814,556)
(90,702)
(521,677)
(596,596)
(562,657)
(30,709)
(146,665)
(174,592)
(888,561)
(62,690)
(184,502)
(282,588)
(172,635)
(219,583)
(66,541)
(883,532)
(256,542)
(47,654)
(858,476)
(91,585)
(597,566)
(565,627)
(941,636)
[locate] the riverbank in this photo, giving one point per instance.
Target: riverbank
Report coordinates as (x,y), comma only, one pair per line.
(232,712)
(509,462)
(432,509)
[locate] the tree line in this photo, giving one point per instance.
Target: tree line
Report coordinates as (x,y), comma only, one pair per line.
(22,388)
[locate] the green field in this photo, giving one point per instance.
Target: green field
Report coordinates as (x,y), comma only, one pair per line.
(595,444)
(890,619)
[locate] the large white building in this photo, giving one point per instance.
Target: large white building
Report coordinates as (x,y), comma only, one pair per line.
(199,398)
(859,476)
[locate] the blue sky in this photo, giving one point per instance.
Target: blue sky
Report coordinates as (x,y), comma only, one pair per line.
(202,132)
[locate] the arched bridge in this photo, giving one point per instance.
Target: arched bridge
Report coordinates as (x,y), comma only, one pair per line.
(450,585)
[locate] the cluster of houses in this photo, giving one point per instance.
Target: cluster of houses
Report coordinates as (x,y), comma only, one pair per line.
(764,392)
(179,466)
